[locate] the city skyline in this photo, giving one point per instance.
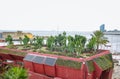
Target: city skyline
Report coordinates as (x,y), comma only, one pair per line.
(63,15)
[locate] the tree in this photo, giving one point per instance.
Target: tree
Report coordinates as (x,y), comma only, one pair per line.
(91,44)
(39,41)
(50,42)
(26,40)
(16,73)
(71,44)
(100,39)
(60,42)
(63,41)
(64,33)
(9,40)
(79,44)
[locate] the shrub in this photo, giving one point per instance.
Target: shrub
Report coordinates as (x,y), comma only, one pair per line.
(16,73)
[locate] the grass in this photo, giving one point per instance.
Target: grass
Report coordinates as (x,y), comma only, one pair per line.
(69,63)
(8,51)
(90,66)
(104,62)
(31,48)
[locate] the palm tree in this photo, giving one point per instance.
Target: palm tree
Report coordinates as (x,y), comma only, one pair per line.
(16,73)
(100,39)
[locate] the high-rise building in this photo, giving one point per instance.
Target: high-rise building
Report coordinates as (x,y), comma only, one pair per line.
(102,28)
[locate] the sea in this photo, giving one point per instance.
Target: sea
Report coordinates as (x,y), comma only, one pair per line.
(113,45)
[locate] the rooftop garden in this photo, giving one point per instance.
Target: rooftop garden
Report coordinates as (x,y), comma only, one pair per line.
(73,46)
(77,46)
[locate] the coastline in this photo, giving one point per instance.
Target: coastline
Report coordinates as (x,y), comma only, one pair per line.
(112,33)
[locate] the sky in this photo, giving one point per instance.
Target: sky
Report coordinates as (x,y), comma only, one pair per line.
(59,15)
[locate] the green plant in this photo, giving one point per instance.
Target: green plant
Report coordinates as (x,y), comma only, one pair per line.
(69,63)
(71,44)
(104,62)
(100,39)
(50,42)
(8,51)
(9,40)
(91,44)
(90,66)
(25,40)
(60,41)
(16,73)
(4,68)
(79,44)
(38,42)
(76,45)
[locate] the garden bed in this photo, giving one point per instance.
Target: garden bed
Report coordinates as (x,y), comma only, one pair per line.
(74,59)
(96,63)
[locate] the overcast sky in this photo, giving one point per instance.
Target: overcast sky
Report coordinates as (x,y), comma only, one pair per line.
(65,15)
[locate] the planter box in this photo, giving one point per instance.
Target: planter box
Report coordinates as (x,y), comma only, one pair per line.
(16,58)
(65,73)
(50,70)
(29,65)
(5,56)
(38,63)
(94,67)
(99,66)
(33,75)
(49,66)
(38,68)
